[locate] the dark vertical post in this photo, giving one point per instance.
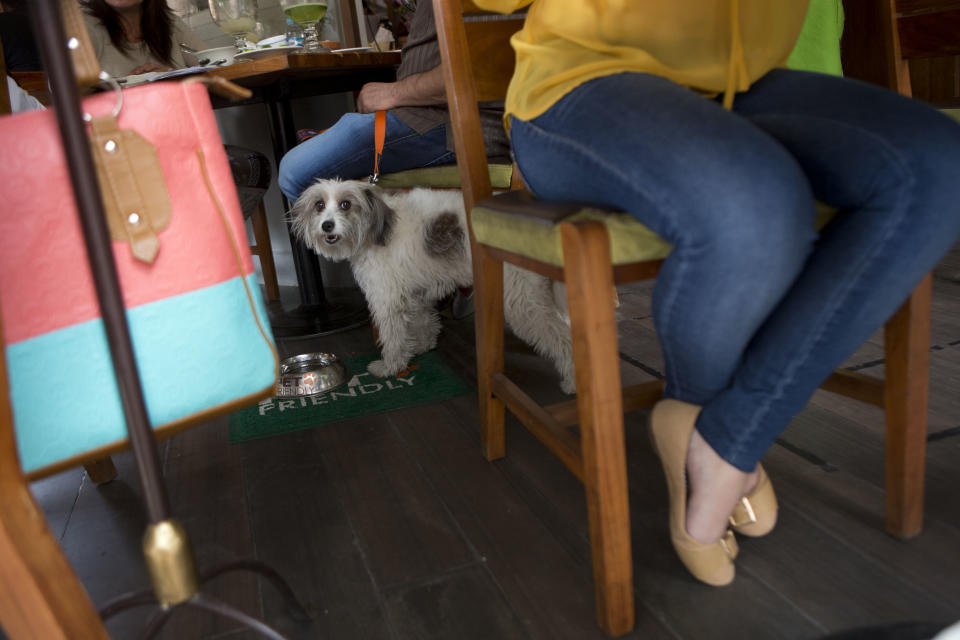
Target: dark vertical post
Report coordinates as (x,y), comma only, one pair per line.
(48,25)
(305,262)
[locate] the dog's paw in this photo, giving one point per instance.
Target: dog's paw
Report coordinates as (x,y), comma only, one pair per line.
(380,369)
(568,385)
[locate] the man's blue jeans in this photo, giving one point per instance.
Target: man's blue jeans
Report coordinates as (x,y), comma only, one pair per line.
(753,308)
(345,150)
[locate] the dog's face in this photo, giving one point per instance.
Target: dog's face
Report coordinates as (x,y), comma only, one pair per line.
(338,219)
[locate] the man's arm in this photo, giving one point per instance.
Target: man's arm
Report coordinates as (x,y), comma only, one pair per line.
(416,90)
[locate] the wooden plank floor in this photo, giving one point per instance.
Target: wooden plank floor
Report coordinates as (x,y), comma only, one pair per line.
(393,526)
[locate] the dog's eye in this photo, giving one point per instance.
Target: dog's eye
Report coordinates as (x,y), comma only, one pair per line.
(345,204)
(319,205)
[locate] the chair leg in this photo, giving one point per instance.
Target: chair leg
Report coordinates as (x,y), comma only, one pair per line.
(907,345)
(40,595)
(265,252)
(589,278)
(488,322)
(101,471)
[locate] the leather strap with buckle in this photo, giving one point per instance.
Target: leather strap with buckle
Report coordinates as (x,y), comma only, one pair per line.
(134,191)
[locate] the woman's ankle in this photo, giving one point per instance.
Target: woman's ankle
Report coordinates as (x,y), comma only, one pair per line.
(753,479)
(715,486)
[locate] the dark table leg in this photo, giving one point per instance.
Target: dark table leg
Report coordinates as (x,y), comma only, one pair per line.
(316,315)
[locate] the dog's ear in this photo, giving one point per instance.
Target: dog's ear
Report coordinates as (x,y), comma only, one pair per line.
(297,220)
(382,215)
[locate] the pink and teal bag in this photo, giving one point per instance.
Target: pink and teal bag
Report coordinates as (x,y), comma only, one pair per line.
(200,332)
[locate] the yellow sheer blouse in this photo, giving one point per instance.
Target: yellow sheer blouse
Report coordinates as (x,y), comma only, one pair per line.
(712,46)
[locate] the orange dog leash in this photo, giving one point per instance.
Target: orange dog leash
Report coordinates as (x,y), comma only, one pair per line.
(379,133)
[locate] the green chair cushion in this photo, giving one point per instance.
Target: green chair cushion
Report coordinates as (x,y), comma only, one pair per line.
(443,177)
(518,223)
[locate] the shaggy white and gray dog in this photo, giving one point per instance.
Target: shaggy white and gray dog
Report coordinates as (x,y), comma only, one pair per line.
(409,250)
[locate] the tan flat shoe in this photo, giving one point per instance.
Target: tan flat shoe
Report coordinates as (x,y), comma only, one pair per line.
(671,425)
(756,514)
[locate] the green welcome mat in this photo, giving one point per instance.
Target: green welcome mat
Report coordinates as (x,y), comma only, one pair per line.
(426,380)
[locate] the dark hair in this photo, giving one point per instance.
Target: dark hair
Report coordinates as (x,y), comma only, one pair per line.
(156,26)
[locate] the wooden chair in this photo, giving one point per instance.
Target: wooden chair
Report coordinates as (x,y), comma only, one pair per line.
(264,252)
(886,42)
(40,595)
(252,175)
(929,42)
(926,31)
(591,252)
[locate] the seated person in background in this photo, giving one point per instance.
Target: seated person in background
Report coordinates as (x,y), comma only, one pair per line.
(682,114)
(417,122)
(19,49)
(137,36)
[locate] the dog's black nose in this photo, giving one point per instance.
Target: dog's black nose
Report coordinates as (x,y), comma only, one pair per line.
(327,225)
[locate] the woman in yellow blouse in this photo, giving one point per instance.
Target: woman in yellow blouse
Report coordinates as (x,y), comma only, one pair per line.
(681,113)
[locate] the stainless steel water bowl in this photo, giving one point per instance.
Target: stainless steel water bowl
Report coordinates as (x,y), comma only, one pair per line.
(310,374)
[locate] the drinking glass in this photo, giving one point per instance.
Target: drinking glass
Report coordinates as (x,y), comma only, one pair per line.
(183,8)
(236,17)
(308,14)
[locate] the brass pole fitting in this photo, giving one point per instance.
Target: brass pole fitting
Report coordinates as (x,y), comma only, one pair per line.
(169,557)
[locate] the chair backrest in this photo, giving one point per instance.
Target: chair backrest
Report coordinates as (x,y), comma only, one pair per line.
(929,32)
(478,63)
(871,44)
(881,36)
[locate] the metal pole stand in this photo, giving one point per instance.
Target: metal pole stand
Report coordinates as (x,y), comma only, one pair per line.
(167,549)
(175,583)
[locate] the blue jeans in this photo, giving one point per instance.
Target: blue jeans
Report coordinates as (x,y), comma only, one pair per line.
(345,150)
(753,308)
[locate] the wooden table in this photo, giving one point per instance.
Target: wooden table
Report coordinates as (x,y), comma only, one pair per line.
(276,80)
(301,71)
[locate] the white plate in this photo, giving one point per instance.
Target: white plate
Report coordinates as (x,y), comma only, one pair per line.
(272,41)
(132,81)
(352,49)
(256,54)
